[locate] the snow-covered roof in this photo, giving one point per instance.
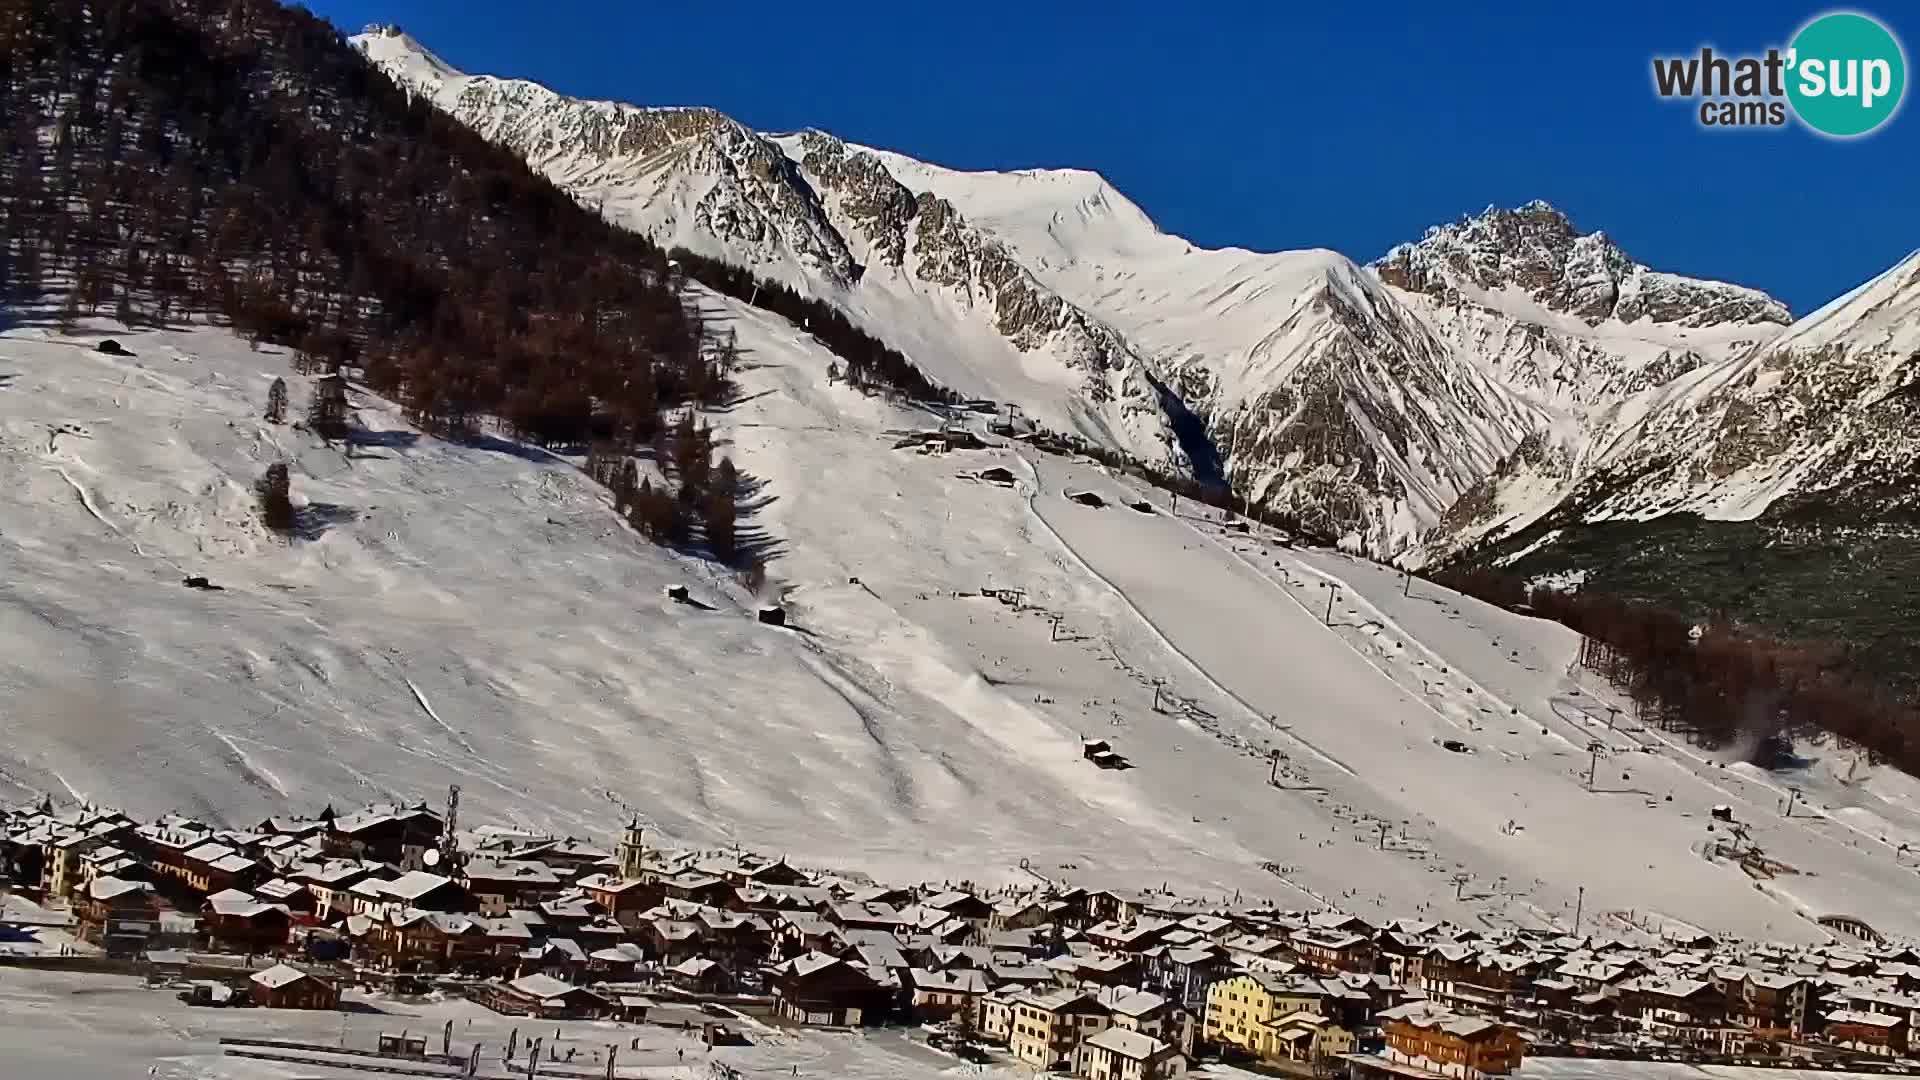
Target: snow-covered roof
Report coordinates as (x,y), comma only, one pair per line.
(279,975)
(541,987)
(237,904)
(109,888)
(1128,1044)
(413,884)
(1869,1019)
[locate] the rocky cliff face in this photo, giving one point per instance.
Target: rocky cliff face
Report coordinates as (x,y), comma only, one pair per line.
(1831,408)
(1535,251)
(1573,324)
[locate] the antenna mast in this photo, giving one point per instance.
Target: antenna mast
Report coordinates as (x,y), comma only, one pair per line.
(449,837)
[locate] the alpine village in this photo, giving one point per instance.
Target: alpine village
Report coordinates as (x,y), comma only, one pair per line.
(1136,983)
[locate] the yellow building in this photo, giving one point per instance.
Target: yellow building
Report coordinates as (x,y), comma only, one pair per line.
(1238,1007)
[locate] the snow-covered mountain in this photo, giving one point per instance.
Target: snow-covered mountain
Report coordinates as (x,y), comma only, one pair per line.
(1457,389)
(1317,388)
(477,613)
(826,219)
(1571,323)
(1668,394)
(1829,409)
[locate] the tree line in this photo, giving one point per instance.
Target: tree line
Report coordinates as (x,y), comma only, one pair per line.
(239,159)
(871,364)
(1716,682)
(696,494)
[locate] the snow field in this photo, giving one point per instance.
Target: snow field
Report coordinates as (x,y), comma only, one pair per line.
(474,613)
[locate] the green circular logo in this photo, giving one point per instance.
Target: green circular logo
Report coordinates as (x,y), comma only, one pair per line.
(1846,74)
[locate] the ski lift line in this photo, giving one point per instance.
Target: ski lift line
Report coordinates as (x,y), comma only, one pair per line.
(1704,772)
(1158,634)
(1331,581)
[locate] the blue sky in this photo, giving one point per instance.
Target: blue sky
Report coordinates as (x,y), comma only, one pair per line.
(1268,125)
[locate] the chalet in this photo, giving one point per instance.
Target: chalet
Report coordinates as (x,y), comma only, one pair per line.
(561,958)
(1147,1013)
(1104,969)
(569,858)
(1333,950)
(883,954)
(1119,1054)
(545,997)
(1765,1001)
(413,889)
(1877,1034)
(615,963)
(622,898)
(798,933)
(772,899)
(1438,1041)
(330,883)
(1046,1030)
(1486,982)
(185,857)
(295,827)
(497,886)
(1678,1009)
(1213,929)
(632,1008)
(1303,1037)
(1184,973)
(1252,950)
(117,915)
(109,861)
(700,976)
(961,905)
(1021,914)
(284,987)
(1597,976)
(672,940)
(872,916)
(891,895)
(696,888)
(235,921)
(821,989)
(295,897)
(1133,936)
(393,834)
(938,995)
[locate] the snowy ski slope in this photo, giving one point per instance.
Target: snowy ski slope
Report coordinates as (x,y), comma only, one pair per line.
(475,614)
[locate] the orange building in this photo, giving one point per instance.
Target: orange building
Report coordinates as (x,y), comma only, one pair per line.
(1454,1045)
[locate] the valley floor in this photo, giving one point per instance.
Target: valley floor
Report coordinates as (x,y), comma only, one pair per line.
(476,614)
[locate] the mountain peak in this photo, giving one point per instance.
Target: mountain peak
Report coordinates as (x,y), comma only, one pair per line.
(1535,249)
(401,54)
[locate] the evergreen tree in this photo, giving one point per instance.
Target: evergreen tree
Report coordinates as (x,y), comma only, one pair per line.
(277,402)
(327,410)
(275,492)
(717,513)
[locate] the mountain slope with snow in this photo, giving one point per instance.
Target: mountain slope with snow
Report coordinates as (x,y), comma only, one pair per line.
(1323,395)
(475,613)
(827,223)
(1463,396)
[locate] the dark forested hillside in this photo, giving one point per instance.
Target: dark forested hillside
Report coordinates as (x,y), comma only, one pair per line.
(237,157)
